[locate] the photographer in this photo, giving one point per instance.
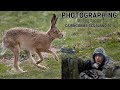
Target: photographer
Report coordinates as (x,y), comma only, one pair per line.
(101,67)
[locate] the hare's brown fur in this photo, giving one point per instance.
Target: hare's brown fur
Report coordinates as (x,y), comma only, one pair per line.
(31,41)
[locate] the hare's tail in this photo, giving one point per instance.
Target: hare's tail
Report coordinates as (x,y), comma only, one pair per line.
(3,46)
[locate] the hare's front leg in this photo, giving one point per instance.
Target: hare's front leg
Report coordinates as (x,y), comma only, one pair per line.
(40,56)
(33,60)
(37,63)
(54,54)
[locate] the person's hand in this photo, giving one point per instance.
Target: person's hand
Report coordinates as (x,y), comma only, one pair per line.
(95,65)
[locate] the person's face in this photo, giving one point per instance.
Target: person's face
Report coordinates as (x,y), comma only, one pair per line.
(99,58)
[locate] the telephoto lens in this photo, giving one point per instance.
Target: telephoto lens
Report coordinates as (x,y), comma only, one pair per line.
(69,63)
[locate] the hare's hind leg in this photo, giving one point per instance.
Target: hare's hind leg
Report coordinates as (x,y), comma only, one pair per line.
(16,51)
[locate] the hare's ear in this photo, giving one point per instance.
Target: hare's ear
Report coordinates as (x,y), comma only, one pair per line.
(53,20)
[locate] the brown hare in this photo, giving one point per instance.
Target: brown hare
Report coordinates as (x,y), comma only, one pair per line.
(30,40)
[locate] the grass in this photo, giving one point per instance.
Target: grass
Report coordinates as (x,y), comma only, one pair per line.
(53,71)
(81,38)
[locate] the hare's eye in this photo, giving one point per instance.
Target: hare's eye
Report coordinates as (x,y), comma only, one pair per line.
(56,32)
